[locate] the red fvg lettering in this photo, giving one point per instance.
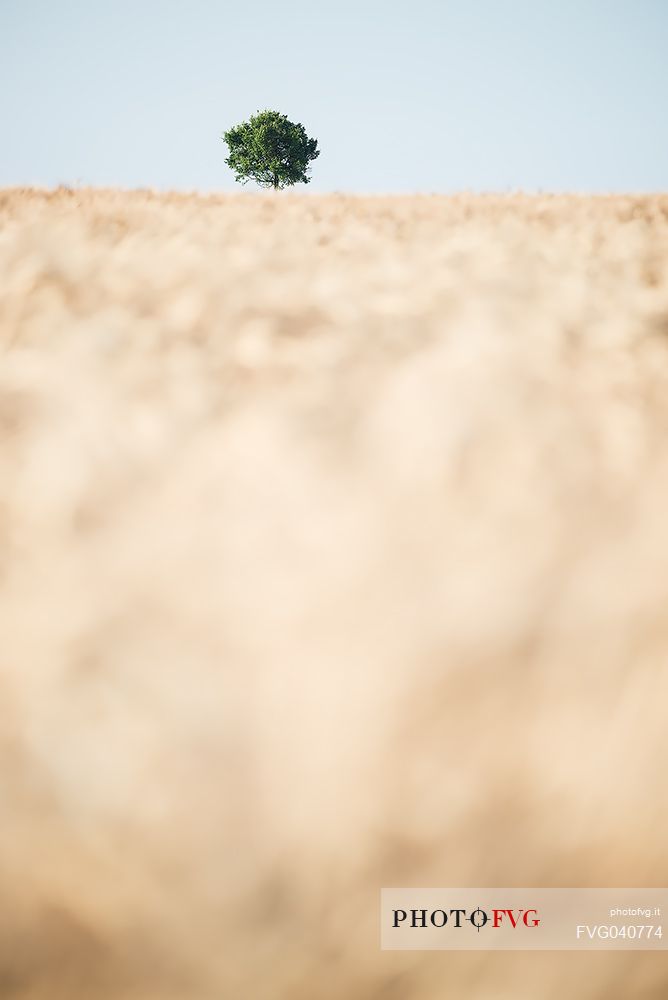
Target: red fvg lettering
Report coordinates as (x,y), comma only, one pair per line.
(515,917)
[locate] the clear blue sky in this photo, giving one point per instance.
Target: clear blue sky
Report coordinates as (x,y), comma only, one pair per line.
(403,95)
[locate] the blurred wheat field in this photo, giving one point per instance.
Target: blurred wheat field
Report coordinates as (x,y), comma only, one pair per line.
(333,556)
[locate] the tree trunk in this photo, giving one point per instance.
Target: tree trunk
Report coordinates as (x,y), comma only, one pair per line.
(275,182)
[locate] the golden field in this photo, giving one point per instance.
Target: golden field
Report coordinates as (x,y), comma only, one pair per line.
(333,556)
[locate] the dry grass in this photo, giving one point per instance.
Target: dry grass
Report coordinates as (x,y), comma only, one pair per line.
(333,555)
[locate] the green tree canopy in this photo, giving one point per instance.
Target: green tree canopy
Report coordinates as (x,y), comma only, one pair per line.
(270,150)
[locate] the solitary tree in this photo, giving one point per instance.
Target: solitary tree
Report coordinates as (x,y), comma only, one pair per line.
(270,150)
